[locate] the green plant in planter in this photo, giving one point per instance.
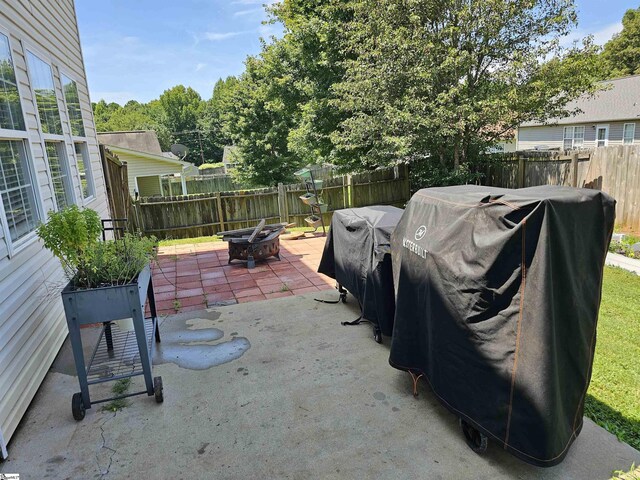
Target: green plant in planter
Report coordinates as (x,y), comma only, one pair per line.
(69,233)
(73,236)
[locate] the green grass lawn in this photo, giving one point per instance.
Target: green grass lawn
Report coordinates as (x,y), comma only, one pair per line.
(613,397)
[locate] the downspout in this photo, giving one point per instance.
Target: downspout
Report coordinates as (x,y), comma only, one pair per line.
(3,447)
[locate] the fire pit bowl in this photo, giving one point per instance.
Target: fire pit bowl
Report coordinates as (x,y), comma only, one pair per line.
(254,244)
(241,249)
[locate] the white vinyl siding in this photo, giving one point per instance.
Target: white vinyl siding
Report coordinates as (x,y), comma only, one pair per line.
(628,133)
(144,166)
(32,324)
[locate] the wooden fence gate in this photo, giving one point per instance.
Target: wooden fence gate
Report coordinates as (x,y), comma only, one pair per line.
(117,185)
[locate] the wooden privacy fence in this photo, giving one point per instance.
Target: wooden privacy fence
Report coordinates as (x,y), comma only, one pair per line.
(614,170)
(206,214)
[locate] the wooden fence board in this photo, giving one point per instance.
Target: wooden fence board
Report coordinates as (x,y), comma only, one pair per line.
(206,214)
(614,170)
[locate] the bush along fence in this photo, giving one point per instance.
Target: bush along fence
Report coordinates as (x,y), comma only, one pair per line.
(188,216)
(614,170)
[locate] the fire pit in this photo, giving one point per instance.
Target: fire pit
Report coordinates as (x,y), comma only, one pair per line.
(251,244)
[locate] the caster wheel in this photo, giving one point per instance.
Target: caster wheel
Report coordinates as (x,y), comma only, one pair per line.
(476,440)
(377,336)
(157,389)
(77,406)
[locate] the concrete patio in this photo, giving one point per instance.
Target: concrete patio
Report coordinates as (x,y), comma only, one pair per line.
(307,399)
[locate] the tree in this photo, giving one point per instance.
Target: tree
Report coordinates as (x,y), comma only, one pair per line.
(262,112)
(210,121)
(442,80)
(622,52)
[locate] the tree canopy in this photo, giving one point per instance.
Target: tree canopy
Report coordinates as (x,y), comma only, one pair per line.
(622,52)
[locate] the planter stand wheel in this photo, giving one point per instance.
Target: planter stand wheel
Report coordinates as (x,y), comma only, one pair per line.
(157,389)
(77,406)
(476,440)
(377,335)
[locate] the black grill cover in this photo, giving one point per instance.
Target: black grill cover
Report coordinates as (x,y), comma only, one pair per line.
(357,255)
(497,302)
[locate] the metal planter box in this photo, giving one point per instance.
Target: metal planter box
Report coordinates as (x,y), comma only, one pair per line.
(119,354)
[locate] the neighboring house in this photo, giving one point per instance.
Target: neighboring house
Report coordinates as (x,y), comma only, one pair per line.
(229,158)
(146,162)
(612,117)
(49,159)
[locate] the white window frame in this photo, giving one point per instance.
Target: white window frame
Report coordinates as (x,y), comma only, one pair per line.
(605,127)
(14,248)
(572,137)
(88,167)
(88,171)
(633,133)
(44,137)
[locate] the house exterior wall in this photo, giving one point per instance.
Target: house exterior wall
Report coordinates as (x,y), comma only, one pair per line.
(32,323)
(552,135)
(139,166)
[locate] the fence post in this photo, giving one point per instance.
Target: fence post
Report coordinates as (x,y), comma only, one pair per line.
(522,170)
(574,169)
(282,203)
(220,211)
(349,197)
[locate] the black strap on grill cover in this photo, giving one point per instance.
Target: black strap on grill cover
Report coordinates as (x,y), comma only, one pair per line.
(357,255)
(498,294)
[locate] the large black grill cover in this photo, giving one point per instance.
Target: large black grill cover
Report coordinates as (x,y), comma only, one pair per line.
(357,255)
(498,293)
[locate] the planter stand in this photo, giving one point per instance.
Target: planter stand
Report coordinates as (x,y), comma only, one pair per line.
(118,354)
(312,199)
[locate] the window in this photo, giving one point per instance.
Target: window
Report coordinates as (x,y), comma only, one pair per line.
(628,133)
(72,100)
(84,169)
(42,83)
(17,190)
(19,214)
(573,137)
(11,117)
(59,174)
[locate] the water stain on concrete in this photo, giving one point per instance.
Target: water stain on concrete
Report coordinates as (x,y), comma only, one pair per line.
(194,344)
(379,396)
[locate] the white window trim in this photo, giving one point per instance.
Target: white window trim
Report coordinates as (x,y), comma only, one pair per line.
(88,171)
(88,167)
(16,247)
(44,137)
(633,136)
(606,138)
(573,136)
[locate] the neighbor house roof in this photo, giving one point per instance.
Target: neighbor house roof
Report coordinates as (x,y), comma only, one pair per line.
(152,156)
(621,101)
(139,140)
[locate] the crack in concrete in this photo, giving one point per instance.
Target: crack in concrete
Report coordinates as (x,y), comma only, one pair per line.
(104,446)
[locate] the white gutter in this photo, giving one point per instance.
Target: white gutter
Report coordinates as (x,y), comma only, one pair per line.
(183,180)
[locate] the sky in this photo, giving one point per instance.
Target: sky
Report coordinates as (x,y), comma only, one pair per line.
(137,49)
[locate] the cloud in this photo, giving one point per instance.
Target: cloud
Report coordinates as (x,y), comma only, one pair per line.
(217,36)
(251,11)
(604,35)
(200,66)
(600,37)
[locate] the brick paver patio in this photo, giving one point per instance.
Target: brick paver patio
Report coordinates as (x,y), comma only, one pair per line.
(194,276)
